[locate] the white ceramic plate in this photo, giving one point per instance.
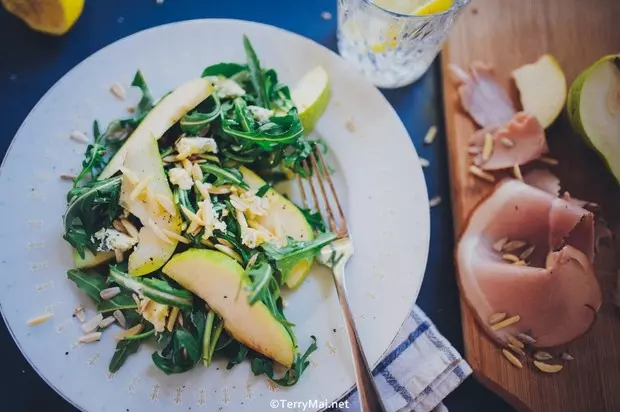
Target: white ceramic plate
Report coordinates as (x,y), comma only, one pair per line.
(377,172)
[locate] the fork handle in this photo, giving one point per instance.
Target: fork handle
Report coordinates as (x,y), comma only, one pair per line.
(370,401)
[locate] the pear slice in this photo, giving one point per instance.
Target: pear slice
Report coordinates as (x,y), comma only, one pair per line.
(144,162)
(542,86)
(170,109)
(594,109)
(311,96)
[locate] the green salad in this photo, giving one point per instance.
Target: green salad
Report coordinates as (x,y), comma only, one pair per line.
(178,234)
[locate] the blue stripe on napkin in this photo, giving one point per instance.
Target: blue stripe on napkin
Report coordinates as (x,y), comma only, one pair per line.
(419,371)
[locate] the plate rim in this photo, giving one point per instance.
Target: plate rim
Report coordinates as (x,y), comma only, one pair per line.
(427,230)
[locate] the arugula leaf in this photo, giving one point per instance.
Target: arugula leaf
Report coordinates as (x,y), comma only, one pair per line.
(314,219)
(236,352)
(91,207)
(157,290)
(93,283)
(261,365)
(256,73)
(93,163)
(196,121)
(285,258)
(244,117)
(260,275)
(271,136)
(189,343)
(224,69)
(146,101)
(124,349)
(224,175)
(263,190)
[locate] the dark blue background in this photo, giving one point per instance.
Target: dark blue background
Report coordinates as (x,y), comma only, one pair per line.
(30,63)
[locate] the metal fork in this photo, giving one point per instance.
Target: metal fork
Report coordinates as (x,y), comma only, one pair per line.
(335,256)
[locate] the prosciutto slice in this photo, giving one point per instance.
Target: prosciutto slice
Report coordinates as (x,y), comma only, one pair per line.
(518,142)
(481,95)
(557,294)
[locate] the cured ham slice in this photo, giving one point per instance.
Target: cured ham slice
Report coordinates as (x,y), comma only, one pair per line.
(481,95)
(518,142)
(552,287)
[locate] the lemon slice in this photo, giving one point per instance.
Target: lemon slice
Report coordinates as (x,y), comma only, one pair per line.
(434,7)
(311,96)
(48,16)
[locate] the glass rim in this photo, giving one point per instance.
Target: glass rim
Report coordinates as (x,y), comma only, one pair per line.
(457,5)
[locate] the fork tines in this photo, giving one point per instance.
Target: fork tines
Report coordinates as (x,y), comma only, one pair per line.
(319,172)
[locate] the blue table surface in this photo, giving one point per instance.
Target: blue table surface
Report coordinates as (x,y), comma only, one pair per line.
(30,63)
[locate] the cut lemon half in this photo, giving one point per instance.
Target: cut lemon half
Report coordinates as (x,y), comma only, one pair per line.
(48,16)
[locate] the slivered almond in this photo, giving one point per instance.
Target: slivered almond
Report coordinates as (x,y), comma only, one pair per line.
(513,245)
(170,159)
(120,318)
(202,189)
(547,368)
(137,191)
(172,318)
(541,355)
(525,338)
(211,158)
(109,293)
(431,134)
(160,234)
(478,172)
(527,252)
(79,313)
(224,242)
(166,203)
(207,243)
(90,337)
(512,358)
(228,251)
(521,263)
(130,228)
(487,148)
(197,172)
(136,299)
(130,332)
(516,349)
(566,356)
(130,175)
(549,160)
(107,322)
(516,170)
(192,216)
(515,342)
(68,176)
(506,322)
(152,201)
(92,324)
(497,317)
(499,245)
(118,226)
(219,190)
(118,256)
(252,260)
(187,165)
(40,319)
(79,136)
(435,201)
(509,143)
(424,162)
(509,257)
(171,235)
(118,91)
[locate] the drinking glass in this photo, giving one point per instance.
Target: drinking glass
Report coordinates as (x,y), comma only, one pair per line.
(392,49)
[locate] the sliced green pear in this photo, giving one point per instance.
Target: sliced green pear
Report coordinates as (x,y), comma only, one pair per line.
(90,259)
(542,86)
(282,215)
(311,96)
(143,168)
(219,280)
(594,109)
(166,113)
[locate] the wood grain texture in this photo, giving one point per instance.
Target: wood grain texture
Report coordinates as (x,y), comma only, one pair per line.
(510,33)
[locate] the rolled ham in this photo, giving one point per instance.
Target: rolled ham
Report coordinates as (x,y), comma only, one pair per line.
(553,287)
(481,95)
(517,142)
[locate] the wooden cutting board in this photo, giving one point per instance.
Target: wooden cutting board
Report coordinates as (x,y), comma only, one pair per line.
(510,33)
